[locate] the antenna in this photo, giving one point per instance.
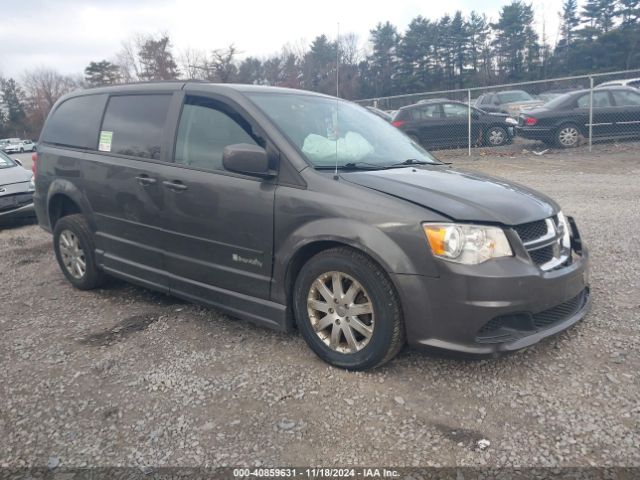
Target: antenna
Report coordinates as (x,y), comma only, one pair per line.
(336,128)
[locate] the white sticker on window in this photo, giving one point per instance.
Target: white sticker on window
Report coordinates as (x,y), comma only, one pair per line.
(105,141)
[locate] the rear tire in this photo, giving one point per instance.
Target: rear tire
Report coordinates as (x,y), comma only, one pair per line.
(331,287)
(75,252)
(568,136)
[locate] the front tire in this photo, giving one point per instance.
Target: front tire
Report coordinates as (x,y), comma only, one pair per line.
(347,310)
(75,252)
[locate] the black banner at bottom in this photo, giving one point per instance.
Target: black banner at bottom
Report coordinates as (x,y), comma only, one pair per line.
(229,473)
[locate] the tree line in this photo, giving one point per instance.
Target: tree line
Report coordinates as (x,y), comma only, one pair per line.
(454,51)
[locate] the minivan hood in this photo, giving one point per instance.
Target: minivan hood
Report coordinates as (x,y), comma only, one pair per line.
(460,195)
(15,174)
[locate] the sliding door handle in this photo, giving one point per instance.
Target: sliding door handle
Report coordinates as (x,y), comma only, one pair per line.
(175,185)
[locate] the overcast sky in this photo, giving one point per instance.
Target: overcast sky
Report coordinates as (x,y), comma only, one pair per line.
(68,34)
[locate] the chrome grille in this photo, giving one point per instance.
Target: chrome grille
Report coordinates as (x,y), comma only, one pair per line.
(532,230)
(542,255)
(543,241)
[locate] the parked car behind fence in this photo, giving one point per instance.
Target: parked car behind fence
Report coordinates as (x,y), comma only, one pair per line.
(445,123)
(524,97)
(566,119)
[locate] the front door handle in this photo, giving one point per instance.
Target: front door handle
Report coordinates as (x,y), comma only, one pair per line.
(145,180)
(175,185)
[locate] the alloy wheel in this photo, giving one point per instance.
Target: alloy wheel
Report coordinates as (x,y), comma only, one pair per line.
(496,136)
(73,256)
(341,312)
(568,136)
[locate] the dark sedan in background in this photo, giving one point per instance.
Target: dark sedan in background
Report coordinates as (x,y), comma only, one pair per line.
(445,123)
(16,191)
(565,119)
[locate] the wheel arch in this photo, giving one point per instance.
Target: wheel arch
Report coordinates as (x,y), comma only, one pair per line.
(305,253)
(315,237)
(64,198)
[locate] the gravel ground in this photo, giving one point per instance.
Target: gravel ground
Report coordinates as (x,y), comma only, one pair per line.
(126,376)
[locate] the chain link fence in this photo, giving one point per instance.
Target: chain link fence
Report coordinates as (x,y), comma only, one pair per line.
(555,113)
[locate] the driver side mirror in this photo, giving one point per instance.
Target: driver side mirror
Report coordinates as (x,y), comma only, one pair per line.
(247,159)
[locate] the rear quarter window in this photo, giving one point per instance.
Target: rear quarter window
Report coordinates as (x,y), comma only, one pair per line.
(76,122)
(134,125)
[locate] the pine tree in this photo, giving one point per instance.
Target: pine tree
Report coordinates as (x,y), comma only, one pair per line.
(101,73)
(383,60)
(569,19)
(14,103)
(629,10)
(459,33)
(516,42)
(156,60)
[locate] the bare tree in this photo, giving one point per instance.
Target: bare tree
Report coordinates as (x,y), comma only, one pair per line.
(193,64)
(222,65)
(127,59)
(351,53)
(43,87)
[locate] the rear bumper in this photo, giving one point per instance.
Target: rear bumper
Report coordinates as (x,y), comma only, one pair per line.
(500,308)
(24,211)
(533,133)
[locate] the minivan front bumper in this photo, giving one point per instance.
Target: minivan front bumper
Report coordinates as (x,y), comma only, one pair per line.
(500,306)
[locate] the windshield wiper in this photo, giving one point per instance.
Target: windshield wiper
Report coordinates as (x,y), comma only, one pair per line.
(413,161)
(353,166)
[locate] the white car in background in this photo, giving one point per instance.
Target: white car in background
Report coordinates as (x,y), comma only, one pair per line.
(17,145)
(625,82)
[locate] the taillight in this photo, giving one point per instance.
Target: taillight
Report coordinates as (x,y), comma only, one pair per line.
(530,121)
(398,123)
(34,162)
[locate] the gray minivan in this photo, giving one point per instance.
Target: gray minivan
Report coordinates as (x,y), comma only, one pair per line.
(298,210)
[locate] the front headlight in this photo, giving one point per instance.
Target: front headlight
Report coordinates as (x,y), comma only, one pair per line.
(563,226)
(468,244)
(32,183)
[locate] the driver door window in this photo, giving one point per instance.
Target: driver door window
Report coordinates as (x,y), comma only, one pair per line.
(205,129)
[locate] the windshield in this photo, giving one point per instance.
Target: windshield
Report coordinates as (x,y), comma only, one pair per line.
(515,96)
(326,130)
(6,162)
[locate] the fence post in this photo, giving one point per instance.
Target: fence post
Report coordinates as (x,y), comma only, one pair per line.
(590,113)
(469,119)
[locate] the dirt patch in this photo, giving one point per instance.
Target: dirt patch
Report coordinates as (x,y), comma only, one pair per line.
(459,435)
(118,333)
